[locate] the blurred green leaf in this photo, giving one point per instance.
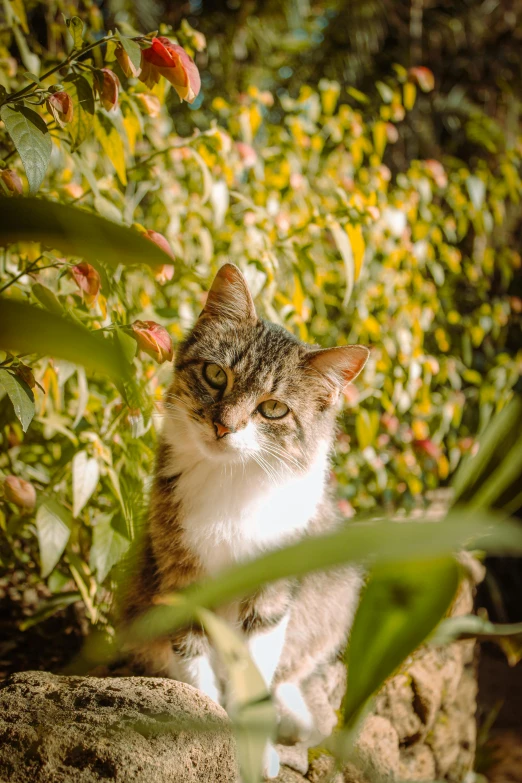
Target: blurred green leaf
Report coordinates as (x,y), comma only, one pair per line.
(132,48)
(19,393)
(29,329)
(75,232)
(469,626)
(400,606)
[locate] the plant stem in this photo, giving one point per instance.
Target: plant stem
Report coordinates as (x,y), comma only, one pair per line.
(30,268)
(74,55)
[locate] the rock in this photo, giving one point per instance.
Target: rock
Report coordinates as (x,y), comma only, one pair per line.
(396,703)
(377,750)
(88,730)
(417,763)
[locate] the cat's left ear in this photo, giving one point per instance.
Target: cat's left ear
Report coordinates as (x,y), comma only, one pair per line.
(229,296)
(339,366)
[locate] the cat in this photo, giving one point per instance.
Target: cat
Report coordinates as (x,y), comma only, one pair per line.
(242,468)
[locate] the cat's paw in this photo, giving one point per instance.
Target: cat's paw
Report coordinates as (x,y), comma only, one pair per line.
(271,763)
(296,723)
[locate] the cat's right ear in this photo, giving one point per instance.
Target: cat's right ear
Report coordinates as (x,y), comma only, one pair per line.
(229,297)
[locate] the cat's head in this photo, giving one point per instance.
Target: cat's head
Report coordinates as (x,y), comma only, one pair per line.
(246,389)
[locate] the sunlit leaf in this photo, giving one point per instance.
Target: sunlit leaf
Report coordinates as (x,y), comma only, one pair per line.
(80,89)
(111,143)
(53,526)
(108,547)
(85,475)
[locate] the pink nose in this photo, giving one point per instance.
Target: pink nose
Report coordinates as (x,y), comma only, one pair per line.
(221,430)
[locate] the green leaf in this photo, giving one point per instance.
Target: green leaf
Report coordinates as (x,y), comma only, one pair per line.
(32,141)
(85,475)
(401,605)
(108,547)
(252,712)
(132,48)
(49,607)
(344,246)
(28,329)
(47,298)
(75,26)
(377,542)
(127,343)
(53,526)
(75,232)
(81,92)
(20,395)
(507,635)
(111,143)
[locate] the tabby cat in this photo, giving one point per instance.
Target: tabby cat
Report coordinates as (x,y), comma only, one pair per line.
(242,468)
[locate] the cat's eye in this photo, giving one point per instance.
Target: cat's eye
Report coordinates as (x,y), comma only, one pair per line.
(215,376)
(273,409)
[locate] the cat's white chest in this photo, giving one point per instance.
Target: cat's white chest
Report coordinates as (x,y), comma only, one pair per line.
(235,514)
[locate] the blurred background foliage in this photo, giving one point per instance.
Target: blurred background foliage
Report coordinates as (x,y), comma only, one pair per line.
(361,163)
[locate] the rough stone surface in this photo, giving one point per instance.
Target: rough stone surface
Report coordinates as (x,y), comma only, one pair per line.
(89,730)
(423,722)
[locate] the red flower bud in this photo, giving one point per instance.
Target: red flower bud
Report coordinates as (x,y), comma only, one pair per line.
(20,492)
(108,86)
(126,64)
(164,58)
(60,105)
(154,340)
(428,447)
(12,181)
(423,77)
(88,280)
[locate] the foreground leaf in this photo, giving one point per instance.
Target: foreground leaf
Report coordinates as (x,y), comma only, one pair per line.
(380,542)
(53,525)
(20,395)
(75,232)
(507,635)
(29,329)
(32,141)
(400,606)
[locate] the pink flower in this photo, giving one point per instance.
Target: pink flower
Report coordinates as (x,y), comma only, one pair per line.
(423,77)
(12,181)
(20,492)
(61,106)
(88,280)
(247,154)
(107,84)
(427,447)
(154,340)
(159,240)
(164,58)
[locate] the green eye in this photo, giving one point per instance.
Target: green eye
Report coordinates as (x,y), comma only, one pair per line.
(273,409)
(215,376)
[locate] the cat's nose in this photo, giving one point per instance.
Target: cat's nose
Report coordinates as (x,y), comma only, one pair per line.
(221,430)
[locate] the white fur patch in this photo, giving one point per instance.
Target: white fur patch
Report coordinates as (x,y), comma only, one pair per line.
(231,510)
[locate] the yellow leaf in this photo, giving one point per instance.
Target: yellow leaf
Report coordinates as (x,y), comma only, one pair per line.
(379,138)
(112,144)
(409,95)
(355,236)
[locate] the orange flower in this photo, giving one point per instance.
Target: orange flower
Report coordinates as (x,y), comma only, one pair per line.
(88,280)
(108,86)
(164,58)
(154,340)
(60,105)
(12,181)
(20,492)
